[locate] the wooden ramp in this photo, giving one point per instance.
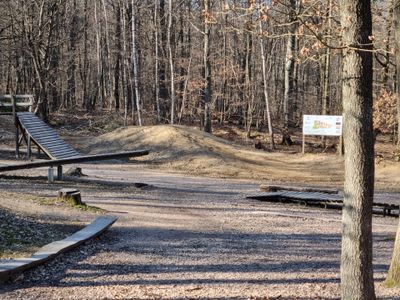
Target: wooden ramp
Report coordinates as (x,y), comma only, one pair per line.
(325,200)
(60,153)
(45,137)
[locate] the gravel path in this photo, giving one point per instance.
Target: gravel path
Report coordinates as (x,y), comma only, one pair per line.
(190,237)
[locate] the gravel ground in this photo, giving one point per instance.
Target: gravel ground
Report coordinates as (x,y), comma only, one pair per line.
(191,237)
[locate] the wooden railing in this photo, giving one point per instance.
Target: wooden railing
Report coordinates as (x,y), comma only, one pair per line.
(10,104)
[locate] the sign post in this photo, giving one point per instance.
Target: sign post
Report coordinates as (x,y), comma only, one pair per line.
(321,125)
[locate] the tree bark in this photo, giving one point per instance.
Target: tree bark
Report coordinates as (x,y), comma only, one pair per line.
(171,62)
(107,78)
(135,66)
(393,278)
(356,261)
(207,69)
(157,59)
(396,18)
(99,91)
(117,70)
(266,98)
(289,88)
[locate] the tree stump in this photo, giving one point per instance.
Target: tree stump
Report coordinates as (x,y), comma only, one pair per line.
(77,172)
(71,196)
(258,144)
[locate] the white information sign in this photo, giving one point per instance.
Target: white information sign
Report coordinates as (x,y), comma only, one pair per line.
(322,125)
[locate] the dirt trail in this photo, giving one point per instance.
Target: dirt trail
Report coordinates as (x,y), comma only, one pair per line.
(190,151)
(196,237)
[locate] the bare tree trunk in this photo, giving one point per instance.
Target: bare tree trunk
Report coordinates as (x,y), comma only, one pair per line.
(85,63)
(124,64)
(73,38)
(207,68)
(288,98)
(248,80)
(264,74)
(393,278)
(119,50)
(135,65)
(327,68)
(185,88)
(357,281)
(108,78)
(98,57)
(156,81)
(171,62)
(396,16)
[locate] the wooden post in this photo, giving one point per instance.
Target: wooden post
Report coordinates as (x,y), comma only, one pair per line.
(341,146)
(303,147)
(50,175)
(14,113)
(29,147)
(17,141)
(60,173)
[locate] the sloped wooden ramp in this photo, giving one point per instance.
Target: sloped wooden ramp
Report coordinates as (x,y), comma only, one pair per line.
(45,137)
(60,153)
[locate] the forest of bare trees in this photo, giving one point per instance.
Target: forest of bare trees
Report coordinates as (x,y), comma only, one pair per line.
(191,62)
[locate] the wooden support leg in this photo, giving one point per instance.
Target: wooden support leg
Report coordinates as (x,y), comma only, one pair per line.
(60,173)
(29,146)
(50,175)
(16,141)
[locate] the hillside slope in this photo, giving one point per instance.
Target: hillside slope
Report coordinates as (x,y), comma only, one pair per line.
(181,148)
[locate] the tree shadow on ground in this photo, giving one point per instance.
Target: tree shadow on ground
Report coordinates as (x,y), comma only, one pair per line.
(158,256)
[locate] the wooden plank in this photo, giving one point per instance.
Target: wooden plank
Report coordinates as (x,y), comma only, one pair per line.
(5,97)
(61,150)
(64,153)
(40,130)
(384,208)
(275,188)
(10,268)
(46,137)
(66,161)
(28,121)
(35,123)
(56,147)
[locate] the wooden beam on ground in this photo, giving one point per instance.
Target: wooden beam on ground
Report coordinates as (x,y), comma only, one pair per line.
(275,188)
(73,160)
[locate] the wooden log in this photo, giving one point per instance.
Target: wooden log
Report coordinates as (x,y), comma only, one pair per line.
(275,188)
(73,160)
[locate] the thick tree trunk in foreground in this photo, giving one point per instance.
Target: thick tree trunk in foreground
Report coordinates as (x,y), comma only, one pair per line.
(356,263)
(393,278)
(396,17)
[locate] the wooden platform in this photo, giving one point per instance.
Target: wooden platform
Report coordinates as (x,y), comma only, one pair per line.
(45,137)
(325,200)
